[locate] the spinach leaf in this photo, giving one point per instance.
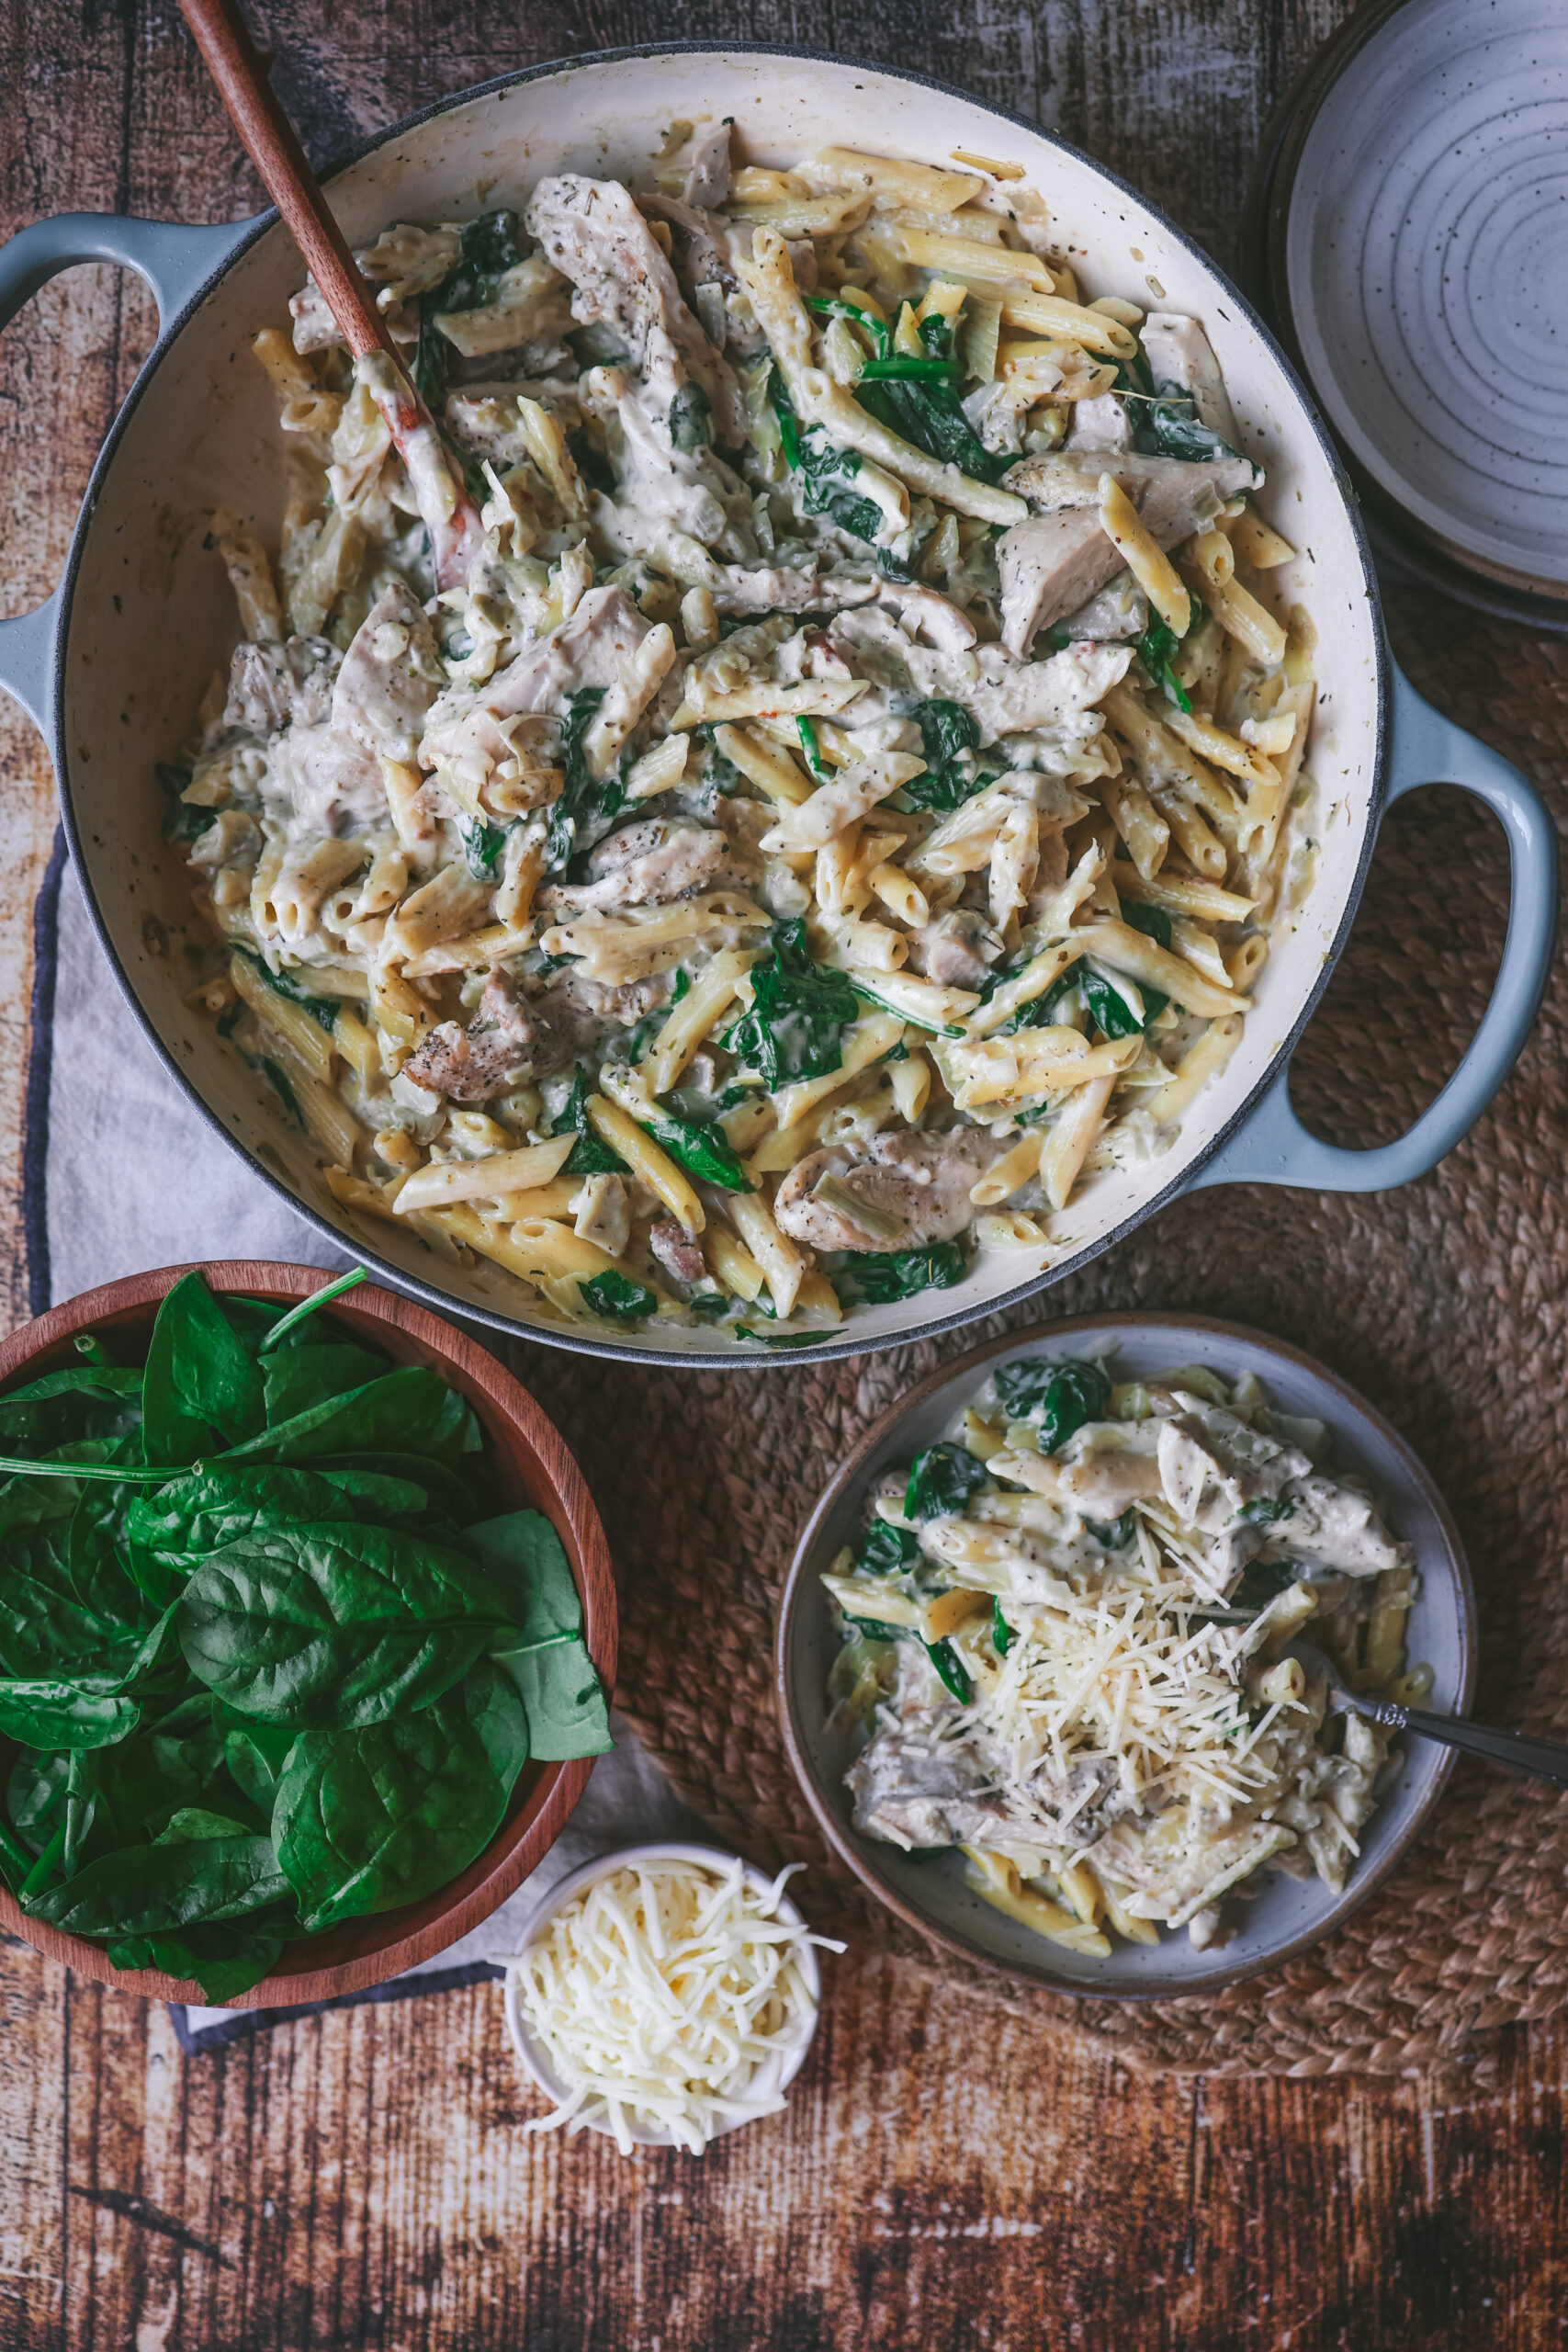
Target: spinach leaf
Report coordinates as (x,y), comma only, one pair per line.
(875,1630)
(487,248)
(617,1299)
(920,403)
(54,1712)
(1178,431)
(550,1665)
(1058,1398)
(702,1151)
(951,1670)
(335,1624)
(828,472)
(941,1480)
(225,1958)
(254,1753)
(35,1792)
(947,731)
(590,1155)
(366,1820)
(1266,1510)
(98,1553)
(1108,1007)
(144,1890)
(691,418)
(323,1010)
(878,1276)
(884,1550)
(411,1410)
(482,845)
(587,806)
(245,1313)
(193,1516)
(1155,649)
(799,1012)
(88,1401)
(296,1378)
(832,306)
(45,1628)
(1153,922)
(374,1478)
(183,821)
(1001,1632)
(199,1389)
(1115,1534)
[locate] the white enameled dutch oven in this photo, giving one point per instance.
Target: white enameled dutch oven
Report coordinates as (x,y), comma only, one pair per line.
(111,668)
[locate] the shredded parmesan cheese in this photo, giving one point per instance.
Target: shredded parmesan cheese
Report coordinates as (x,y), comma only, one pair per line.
(671,1998)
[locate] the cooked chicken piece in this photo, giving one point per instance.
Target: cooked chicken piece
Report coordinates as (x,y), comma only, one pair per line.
(707,175)
(1118,613)
(926,614)
(271,684)
(706,247)
(602,1214)
(585,651)
(1100,424)
(596,235)
(957,950)
(1011,696)
(492,1053)
(334,782)
(660,859)
(574,1018)
(676,1252)
(1057,559)
(1179,353)
(916,1788)
(389,676)
(1334,1527)
(921,1181)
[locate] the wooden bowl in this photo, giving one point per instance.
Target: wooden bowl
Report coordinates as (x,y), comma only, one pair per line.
(534,1471)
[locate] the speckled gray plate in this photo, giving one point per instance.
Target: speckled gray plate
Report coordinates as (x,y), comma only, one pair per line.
(1421,255)
(1287,1916)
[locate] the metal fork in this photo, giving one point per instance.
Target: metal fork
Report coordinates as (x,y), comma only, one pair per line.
(1545,1759)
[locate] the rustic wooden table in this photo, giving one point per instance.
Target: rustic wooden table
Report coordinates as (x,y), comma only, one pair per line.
(945,2176)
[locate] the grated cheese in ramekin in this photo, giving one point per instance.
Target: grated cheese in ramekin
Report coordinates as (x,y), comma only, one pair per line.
(668,1995)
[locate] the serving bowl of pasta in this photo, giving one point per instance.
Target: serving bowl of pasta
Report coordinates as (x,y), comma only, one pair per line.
(1034,1666)
(868,818)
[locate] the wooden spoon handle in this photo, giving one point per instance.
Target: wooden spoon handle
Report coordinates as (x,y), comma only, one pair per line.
(230,57)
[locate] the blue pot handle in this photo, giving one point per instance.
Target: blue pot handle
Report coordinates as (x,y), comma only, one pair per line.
(174,260)
(1273,1148)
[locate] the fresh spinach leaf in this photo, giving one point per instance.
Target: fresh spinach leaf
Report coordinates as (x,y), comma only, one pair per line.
(366,1820)
(146,1890)
(254,1753)
(941,1479)
(411,1410)
(333,1624)
(530,1576)
(243,1312)
(373,1479)
(53,1711)
(799,1012)
(88,1401)
(200,1391)
(550,1664)
(617,1299)
(191,1516)
(1058,1398)
(587,805)
(877,1276)
(294,1379)
(225,1958)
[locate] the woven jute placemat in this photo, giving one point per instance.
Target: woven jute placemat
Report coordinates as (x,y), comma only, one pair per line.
(1445,1302)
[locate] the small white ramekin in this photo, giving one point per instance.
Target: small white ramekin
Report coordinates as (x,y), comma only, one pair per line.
(776,2072)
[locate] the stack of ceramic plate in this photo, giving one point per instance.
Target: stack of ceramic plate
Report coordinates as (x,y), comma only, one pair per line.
(1411,243)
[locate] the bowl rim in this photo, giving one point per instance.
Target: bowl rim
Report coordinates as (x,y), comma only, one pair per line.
(530,1828)
(840,1341)
(622,1858)
(965,1369)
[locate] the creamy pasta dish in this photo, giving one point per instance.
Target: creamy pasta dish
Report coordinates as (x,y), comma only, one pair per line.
(1066,1635)
(833,801)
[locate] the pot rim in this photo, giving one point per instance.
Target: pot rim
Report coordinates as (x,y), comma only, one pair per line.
(842,1342)
(1358,1410)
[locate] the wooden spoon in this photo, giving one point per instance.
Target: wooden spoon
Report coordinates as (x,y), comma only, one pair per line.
(449,515)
